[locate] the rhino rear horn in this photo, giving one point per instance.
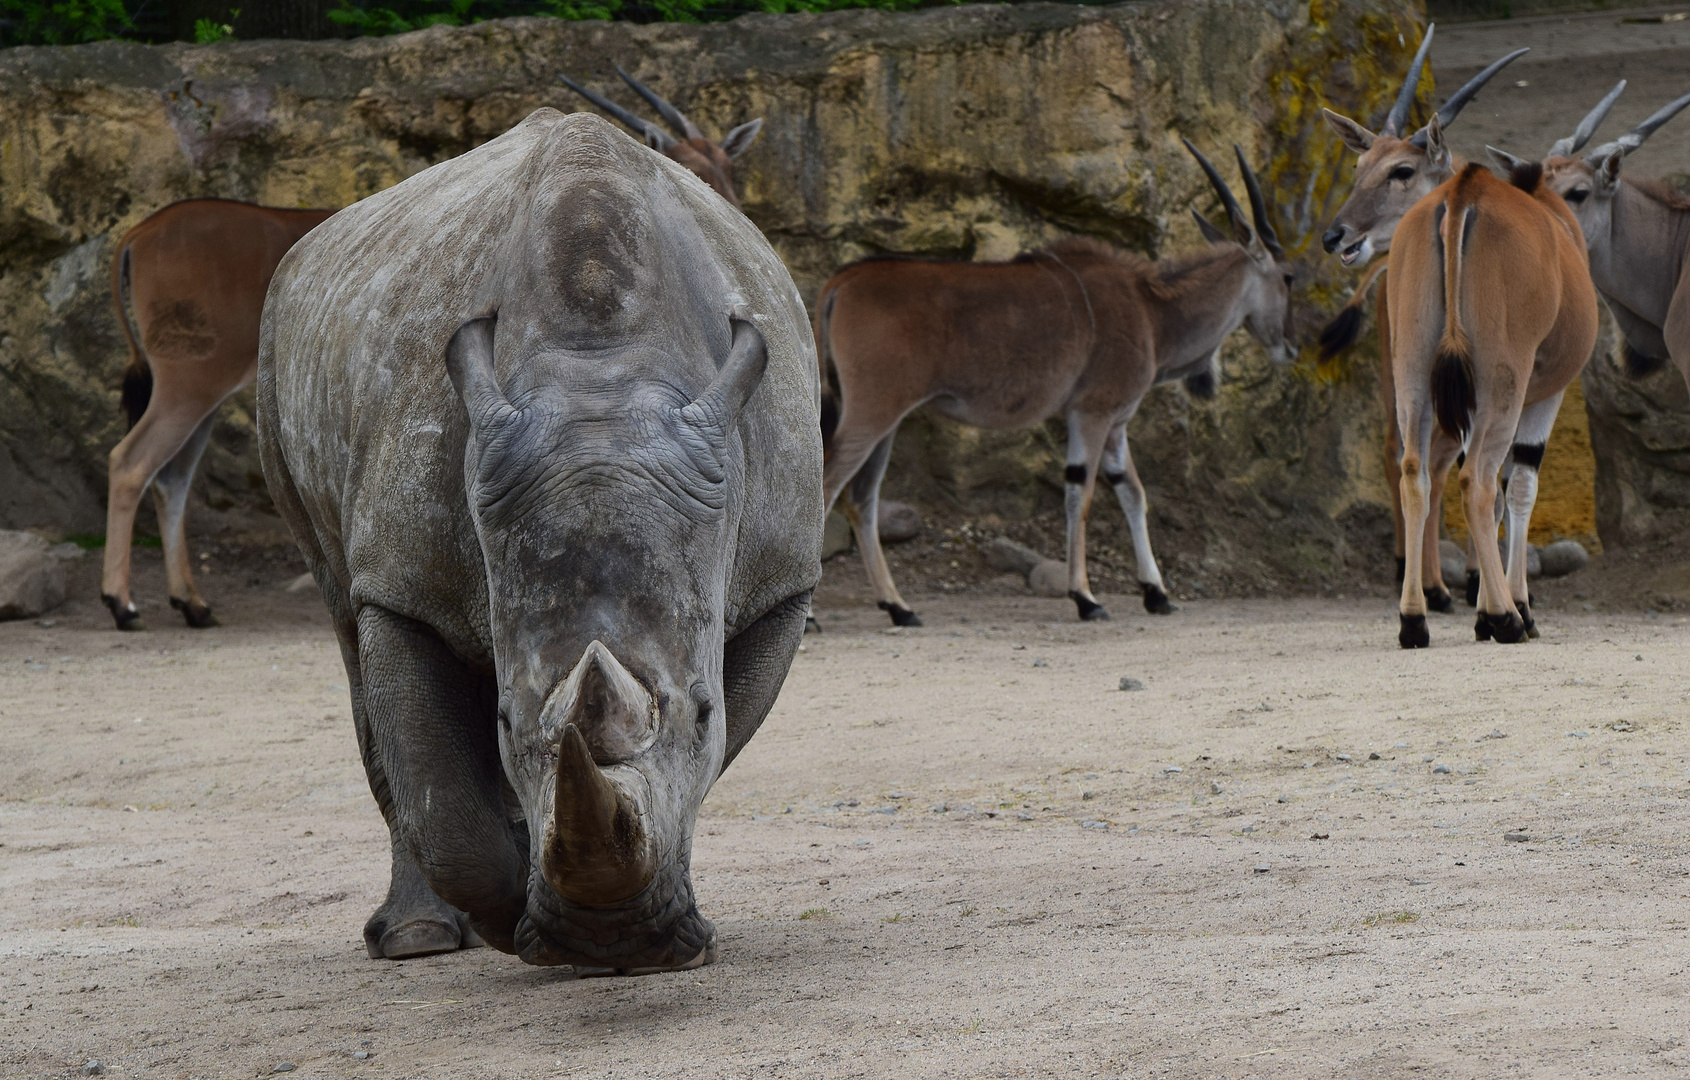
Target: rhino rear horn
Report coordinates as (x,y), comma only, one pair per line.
(717,409)
(597,851)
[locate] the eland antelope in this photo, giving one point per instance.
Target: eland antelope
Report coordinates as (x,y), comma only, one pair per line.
(709,161)
(195,274)
(1393,173)
(1492,315)
(1077,330)
(1638,233)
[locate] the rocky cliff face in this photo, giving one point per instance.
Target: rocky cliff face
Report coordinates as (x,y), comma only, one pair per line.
(972,132)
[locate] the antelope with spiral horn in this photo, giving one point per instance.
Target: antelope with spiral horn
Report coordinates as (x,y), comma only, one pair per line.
(1078,330)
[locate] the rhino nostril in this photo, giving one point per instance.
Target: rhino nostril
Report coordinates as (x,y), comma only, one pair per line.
(1331,238)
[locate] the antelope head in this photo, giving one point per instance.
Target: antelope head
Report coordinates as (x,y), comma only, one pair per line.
(1266,296)
(711,162)
(1588,184)
(1394,171)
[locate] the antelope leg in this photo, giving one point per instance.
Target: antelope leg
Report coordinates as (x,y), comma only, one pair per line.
(860,503)
(1415,419)
(1086,437)
(1441,455)
(1536,422)
(1123,477)
(170,498)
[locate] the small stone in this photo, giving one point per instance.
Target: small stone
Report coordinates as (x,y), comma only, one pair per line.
(1639,656)
(1515,837)
(897,522)
(361,1055)
(1091,776)
(1130,683)
(1262,868)
(1418,881)
(1441,770)
(939,808)
(1621,725)
(1049,578)
(1283,798)
(1087,796)
(1215,787)
(1172,769)
(283,1066)
(1092,824)
(1578,734)
(1563,557)
(1006,555)
(1374,756)
(1041,662)
(1022,815)
(92,1067)
(1343,757)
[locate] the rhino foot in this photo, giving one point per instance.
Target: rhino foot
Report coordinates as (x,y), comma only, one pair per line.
(424,926)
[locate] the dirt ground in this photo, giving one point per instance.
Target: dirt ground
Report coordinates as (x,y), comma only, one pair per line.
(958,851)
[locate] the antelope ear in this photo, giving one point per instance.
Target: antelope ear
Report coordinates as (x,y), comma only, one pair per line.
(1505,161)
(1437,150)
(1355,136)
(1210,232)
(1607,169)
(739,140)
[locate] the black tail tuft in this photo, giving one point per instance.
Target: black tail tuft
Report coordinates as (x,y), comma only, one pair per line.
(1341,332)
(1639,364)
(1201,385)
(1452,392)
(1527,175)
(137,391)
(830,417)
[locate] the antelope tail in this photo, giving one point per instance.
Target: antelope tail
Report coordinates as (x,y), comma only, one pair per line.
(138,376)
(824,360)
(1452,368)
(1345,327)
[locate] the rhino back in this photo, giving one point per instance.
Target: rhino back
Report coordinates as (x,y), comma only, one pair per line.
(358,414)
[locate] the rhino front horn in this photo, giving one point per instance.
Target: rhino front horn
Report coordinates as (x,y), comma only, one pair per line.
(597,851)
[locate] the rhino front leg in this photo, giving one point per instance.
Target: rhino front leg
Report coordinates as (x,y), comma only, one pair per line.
(431,750)
(754,666)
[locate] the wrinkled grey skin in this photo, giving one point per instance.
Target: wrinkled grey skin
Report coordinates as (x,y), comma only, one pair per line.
(568,565)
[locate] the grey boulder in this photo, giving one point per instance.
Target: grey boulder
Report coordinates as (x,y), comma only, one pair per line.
(1006,555)
(1562,557)
(32,578)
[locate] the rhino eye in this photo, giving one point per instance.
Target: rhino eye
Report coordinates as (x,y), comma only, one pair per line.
(1578,196)
(1404,173)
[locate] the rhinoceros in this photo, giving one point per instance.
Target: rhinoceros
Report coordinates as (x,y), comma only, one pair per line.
(544,421)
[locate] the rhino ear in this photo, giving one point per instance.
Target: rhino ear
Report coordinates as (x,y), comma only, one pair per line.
(717,409)
(469,363)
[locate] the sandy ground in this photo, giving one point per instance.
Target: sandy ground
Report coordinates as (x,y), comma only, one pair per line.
(900,865)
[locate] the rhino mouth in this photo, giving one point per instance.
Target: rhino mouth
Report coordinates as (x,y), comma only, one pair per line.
(660,929)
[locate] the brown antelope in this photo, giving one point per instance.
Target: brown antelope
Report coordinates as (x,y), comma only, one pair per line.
(1078,330)
(1492,315)
(195,274)
(711,162)
(1638,234)
(1392,174)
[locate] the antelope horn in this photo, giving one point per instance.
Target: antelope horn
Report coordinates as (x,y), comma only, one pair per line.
(1258,207)
(1573,143)
(656,136)
(1233,210)
(671,115)
(1634,138)
(1450,109)
(597,852)
(1398,115)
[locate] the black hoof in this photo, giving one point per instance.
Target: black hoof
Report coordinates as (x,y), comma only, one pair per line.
(1439,600)
(1090,610)
(1481,628)
(125,615)
(901,616)
(198,615)
(1531,623)
(1402,570)
(1507,628)
(1156,601)
(1472,588)
(1413,633)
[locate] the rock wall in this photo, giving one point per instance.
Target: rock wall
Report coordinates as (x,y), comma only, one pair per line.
(973,132)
